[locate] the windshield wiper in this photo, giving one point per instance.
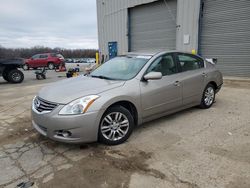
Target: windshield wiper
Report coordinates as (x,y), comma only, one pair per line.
(102,77)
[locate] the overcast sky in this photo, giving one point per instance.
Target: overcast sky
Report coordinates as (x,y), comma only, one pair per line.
(51,23)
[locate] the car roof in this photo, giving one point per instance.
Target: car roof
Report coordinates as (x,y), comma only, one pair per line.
(153,53)
(43,54)
(141,53)
(49,53)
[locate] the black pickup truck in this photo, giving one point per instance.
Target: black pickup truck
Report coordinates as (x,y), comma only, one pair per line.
(9,70)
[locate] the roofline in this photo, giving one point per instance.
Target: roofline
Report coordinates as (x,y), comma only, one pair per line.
(153,53)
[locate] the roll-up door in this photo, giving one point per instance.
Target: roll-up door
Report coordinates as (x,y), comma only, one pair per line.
(153,26)
(225,34)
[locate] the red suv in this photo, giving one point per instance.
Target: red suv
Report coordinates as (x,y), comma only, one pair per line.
(50,60)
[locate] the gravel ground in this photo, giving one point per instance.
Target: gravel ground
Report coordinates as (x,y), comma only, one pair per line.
(190,149)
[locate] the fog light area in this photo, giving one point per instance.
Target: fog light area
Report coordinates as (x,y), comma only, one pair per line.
(63,133)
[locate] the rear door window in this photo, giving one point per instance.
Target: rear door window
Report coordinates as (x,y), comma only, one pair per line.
(53,55)
(35,56)
(43,56)
(189,62)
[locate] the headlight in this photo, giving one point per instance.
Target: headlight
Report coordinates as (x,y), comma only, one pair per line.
(78,106)
(33,102)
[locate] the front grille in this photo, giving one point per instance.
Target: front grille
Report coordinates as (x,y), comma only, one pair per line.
(42,105)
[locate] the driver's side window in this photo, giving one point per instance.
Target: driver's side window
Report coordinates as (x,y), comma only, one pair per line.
(164,64)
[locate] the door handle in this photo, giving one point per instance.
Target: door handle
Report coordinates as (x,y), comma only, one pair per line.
(177,83)
(204,74)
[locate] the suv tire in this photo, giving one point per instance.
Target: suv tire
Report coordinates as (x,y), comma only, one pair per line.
(15,76)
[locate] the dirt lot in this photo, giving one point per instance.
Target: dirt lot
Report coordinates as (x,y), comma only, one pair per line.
(191,149)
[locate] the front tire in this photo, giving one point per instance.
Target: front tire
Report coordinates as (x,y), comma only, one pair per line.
(208,97)
(15,76)
(116,126)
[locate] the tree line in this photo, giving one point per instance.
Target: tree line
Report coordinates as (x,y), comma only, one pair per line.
(28,52)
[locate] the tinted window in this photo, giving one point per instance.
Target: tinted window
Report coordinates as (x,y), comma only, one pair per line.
(43,56)
(189,62)
(35,56)
(56,55)
(164,64)
(53,55)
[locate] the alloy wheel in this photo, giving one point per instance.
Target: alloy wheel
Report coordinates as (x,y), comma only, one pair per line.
(209,96)
(114,126)
(16,77)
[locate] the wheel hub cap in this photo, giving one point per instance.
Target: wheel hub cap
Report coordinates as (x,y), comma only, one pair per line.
(115,125)
(16,77)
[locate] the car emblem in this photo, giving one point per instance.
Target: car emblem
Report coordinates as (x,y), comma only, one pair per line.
(37,103)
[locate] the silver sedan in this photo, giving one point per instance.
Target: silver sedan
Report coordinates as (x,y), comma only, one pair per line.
(122,93)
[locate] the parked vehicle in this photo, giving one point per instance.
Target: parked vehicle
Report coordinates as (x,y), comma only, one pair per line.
(41,74)
(80,60)
(91,60)
(68,60)
(124,92)
(50,60)
(9,70)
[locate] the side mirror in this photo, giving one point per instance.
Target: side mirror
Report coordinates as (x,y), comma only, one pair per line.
(153,76)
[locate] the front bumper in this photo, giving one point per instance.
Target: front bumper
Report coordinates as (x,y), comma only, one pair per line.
(79,128)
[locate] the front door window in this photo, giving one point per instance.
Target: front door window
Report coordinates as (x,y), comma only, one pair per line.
(164,64)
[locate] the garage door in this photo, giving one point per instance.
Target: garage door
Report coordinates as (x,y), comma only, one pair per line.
(153,26)
(225,34)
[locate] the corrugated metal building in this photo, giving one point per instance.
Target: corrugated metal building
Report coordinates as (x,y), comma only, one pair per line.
(214,28)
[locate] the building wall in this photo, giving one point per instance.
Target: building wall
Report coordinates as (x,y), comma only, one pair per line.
(188,19)
(113,23)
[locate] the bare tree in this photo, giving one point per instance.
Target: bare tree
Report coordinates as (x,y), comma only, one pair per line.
(28,52)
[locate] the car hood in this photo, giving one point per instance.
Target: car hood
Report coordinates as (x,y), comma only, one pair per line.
(67,90)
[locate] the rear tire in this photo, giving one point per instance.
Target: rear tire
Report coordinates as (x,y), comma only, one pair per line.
(116,126)
(51,66)
(15,76)
(208,97)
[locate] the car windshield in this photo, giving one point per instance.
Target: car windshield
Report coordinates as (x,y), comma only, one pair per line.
(121,68)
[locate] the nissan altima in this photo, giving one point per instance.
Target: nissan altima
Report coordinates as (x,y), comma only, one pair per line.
(124,92)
